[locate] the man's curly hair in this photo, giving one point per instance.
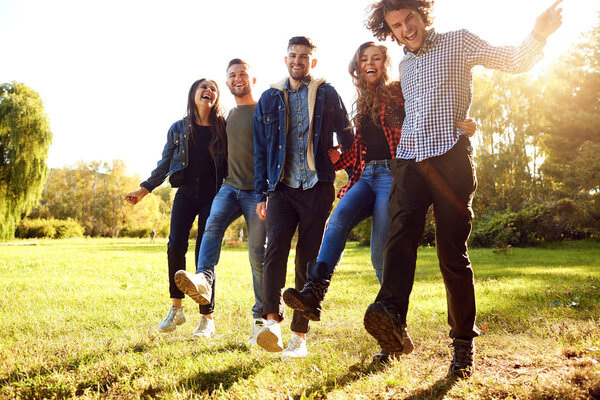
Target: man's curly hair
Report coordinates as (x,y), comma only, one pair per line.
(376,19)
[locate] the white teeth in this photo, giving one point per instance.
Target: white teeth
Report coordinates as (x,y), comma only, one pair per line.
(412,35)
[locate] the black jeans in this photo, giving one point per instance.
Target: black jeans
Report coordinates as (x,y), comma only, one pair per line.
(287,209)
(447,182)
(189,202)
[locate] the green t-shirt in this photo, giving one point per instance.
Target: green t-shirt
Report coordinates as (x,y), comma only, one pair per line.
(240,148)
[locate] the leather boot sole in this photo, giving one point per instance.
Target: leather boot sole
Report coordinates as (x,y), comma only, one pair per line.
(294,300)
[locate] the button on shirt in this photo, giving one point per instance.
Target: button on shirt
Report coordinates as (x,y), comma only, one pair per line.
(437,85)
(296,172)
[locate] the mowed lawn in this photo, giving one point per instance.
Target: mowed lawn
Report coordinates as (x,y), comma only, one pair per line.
(78,319)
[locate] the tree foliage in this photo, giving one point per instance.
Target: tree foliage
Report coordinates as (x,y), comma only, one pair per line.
(25,138)
(92,194)
(538,144)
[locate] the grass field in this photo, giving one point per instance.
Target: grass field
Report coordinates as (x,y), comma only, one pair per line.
(78,319)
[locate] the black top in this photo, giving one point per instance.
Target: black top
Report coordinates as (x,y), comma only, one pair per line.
(374,137)
(201,167)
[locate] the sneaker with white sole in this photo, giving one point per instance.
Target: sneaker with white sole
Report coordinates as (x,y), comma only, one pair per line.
(269,336)
(173,319)
(194,285)
(296,348)
(257,325)
(206,328)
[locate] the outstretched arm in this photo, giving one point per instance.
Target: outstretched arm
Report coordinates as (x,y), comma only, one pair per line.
(548,22)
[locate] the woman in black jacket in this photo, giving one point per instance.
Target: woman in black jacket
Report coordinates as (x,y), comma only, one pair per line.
(194,158)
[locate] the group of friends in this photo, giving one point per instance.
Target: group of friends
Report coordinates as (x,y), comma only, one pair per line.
(273,162)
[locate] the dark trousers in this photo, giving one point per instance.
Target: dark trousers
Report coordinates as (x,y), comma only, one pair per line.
(189,202)
(447,182)
(287,209)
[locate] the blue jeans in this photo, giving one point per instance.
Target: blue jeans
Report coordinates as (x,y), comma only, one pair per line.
(368,197)
(229,204)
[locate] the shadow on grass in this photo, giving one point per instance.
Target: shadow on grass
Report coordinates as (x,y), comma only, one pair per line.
(222,379)
(436,391)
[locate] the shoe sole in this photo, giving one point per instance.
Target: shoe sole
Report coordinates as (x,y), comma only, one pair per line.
(268,341)
(380,325)
(293,300)
(189,288)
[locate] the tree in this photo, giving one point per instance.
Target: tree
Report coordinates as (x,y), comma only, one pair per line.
(25,137)
(508,111)
(572,140)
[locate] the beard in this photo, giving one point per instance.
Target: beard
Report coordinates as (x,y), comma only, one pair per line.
(240,92)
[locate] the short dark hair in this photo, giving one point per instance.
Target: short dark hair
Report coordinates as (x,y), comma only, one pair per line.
(376,19)
(303,40)
(236,61)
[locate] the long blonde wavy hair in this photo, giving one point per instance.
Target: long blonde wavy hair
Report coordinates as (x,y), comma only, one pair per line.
(369,98)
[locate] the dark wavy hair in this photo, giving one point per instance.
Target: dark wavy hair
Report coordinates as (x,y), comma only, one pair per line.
(216,119)
(369,98)
(376,19)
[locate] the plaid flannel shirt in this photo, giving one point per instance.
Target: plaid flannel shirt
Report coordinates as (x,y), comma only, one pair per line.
(437,84)
(391,118)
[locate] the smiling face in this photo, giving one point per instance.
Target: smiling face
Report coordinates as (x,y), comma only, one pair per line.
(408,27)
(239,81)
(300,61)
(206,94)
(372,65)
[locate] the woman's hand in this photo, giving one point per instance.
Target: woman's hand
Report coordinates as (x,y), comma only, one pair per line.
(135,197)
(261,210)
(334,154)
(468,125)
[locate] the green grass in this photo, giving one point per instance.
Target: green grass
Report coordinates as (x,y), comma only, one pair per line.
(78,319)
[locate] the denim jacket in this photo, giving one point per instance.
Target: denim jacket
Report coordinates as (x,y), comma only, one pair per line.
(327,115)
(175,158)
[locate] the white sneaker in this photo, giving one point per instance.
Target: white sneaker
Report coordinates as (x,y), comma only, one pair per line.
(206,328)
(194,285)
(256,327)
(174,318)
(296,348)
(269,336)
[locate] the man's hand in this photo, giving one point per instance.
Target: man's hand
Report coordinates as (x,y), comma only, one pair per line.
(468,125)
(135,197)
(548,22)
(261,210)
(334,154)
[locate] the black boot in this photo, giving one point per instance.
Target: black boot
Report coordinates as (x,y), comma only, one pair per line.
(310,298)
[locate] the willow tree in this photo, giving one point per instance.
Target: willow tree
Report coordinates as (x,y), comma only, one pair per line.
(24,141)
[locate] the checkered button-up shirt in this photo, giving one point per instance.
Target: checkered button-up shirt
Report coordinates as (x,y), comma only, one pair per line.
(437,84)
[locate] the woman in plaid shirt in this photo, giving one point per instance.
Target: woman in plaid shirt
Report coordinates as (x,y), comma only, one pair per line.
(378,117)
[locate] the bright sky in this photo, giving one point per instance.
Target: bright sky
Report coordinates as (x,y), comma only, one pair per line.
(114,74)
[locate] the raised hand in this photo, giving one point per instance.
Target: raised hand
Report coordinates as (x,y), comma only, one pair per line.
(548,22)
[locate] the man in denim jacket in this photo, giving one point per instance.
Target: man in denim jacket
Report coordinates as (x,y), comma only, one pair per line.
(294,124)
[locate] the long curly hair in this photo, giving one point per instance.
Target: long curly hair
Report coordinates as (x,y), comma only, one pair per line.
(216,119)
(369,98)
(376,20)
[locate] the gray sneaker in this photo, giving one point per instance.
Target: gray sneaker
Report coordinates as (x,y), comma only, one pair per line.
(461,366)
(386,329)
(173,319)
(194,285)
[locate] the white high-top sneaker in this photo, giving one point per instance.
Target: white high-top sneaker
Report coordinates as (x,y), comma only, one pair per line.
(194,285)
(269,336)
(206,328)
(296,347)
(257,325)
(174,318)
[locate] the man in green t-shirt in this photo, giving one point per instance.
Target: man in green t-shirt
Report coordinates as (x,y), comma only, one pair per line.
(235,198)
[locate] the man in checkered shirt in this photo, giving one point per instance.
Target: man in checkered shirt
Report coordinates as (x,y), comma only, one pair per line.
(434,165)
